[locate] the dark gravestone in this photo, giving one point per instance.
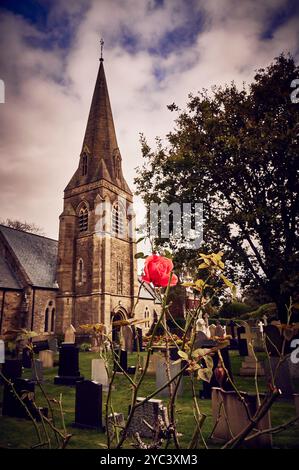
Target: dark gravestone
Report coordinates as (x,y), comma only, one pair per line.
(13,407)
(37,371)
(274,340)
(243,349)
(68,370)
(137,339)
(40,346)
(121,357)
(53,344)
(131,370)
(281,374)
(12,369)
(88,408)
(232,329)
(219,377)
(26,357)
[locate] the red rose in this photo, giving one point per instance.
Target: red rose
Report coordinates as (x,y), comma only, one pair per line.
(157,270)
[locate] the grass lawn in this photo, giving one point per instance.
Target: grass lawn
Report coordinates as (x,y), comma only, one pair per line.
(17,433)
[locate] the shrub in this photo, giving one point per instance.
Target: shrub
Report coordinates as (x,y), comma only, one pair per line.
(234,309)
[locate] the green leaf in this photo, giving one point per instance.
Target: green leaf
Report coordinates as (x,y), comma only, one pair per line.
(140,255)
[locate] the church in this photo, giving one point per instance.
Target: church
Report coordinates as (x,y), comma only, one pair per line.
(90,274)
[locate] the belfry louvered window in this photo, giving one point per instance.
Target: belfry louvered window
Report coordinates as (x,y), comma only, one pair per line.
(118,220)
(84,165)
(83,219)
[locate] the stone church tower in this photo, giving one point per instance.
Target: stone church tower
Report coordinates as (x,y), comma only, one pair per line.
(96,268)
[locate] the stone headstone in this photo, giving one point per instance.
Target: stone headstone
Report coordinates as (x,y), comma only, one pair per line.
(227,406)
(200,339)
(150,412)
(294,368)
(88,405)
(53,344)
(116,422)
(219,377)
(11,404)
(37,371)
(131,370)
(99,373)
(121,357)
(281,374)
(68,370)
(127,338)
(40,346)
(232,329)
(70,335)
(243,349)
(47,358)
(26,358)
(137,339)
(162,377)
(2,351)
(274,340)
(258,342)
(12,369)
(152,366)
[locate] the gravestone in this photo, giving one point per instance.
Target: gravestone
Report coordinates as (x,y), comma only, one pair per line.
(131,370)
(258,341)
(26,357)
(40,346)
(37,371)
(152,366)
(219,377)
(88,405)
(12,369)
(281,374)
(53,344)
(127,338)
(68,370)
(232,329)
(274,340)
(250,366)
(243,349)
(70,335)
(47,358)
(11,404)
(162,376)
(137,339)
(121,357)
(230,417)
(150,412)
(116,422)
(296,399)
(294,368)
(99,373)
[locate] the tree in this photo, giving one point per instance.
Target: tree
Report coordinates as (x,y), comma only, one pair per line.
(237,152)
(25,226)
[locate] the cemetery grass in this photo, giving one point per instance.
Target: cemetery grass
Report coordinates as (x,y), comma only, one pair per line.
(17,433)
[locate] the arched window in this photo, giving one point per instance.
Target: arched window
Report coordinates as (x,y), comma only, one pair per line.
(52,320)
(46,328)
(146,317)
(84,165)
(118,220)
(83,219)
(80,270)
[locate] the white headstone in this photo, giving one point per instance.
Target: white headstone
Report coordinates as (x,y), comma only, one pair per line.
(99,373)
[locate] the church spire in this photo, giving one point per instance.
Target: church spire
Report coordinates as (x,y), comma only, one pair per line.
(100,157)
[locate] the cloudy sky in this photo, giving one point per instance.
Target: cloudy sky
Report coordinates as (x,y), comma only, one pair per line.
(156,52)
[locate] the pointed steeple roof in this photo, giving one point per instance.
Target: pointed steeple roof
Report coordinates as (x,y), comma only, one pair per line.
(100,148)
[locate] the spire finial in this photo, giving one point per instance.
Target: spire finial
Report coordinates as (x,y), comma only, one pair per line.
(102,45)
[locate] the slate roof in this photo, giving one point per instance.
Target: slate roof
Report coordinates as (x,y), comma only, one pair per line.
(7,278)
(36,254)
(147,292)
